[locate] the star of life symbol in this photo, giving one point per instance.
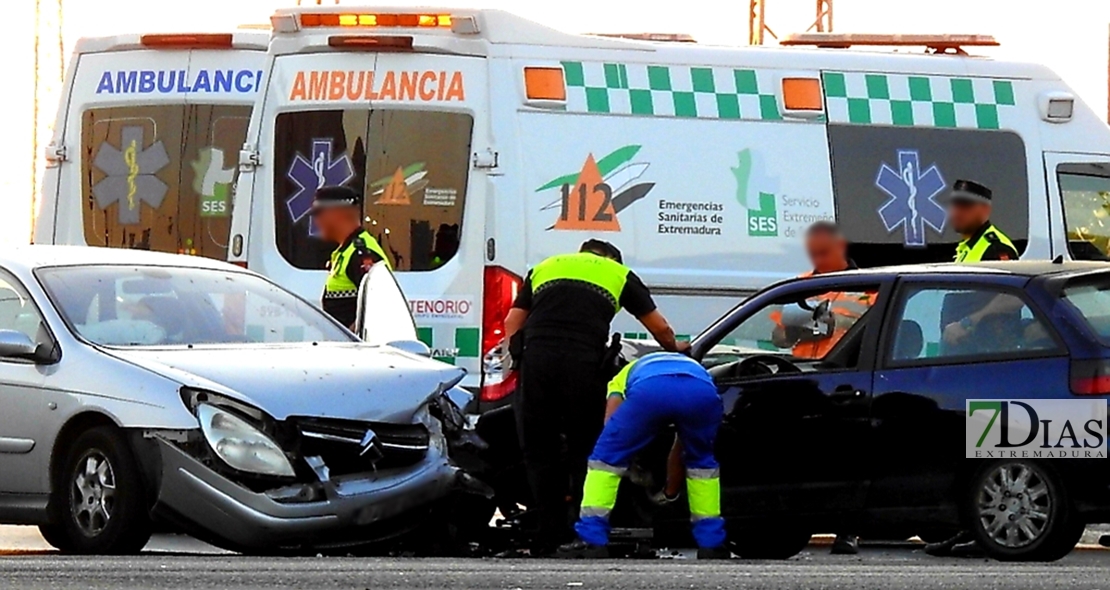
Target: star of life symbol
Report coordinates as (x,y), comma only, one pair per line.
(130,171)
(912,193)
(317,170)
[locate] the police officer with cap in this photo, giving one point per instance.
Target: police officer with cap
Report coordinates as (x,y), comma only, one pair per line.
(564,311)
(969,213)
(337,212)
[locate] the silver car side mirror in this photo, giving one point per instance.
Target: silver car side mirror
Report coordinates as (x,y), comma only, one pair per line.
(412,347)
(16,344)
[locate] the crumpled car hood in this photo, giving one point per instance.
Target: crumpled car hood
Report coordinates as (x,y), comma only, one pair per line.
(352,381)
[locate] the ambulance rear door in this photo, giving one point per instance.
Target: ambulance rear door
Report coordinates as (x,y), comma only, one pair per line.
(405,129)
(144,152)
(1079,202)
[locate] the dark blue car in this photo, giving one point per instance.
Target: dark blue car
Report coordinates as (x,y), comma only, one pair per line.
(845,399)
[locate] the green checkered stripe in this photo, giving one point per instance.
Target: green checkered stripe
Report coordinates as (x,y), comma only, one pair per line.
(465,339)
(670,91)
(919,101)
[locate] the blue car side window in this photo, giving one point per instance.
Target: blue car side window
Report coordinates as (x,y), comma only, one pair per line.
(947,324)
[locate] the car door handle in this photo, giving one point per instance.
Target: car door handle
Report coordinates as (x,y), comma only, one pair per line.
(847,393)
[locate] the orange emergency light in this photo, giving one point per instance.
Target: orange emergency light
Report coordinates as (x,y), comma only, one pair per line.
(188,41)
(410,21)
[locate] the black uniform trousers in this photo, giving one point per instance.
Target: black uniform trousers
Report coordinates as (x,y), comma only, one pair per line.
(560,411)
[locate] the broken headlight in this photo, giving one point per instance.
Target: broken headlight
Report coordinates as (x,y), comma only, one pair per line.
(240,445)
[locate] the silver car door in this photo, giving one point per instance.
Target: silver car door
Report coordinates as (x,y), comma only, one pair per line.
(28,420)
(384,316)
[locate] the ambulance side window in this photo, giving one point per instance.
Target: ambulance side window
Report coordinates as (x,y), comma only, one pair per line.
(161,177)
(1085,191)
(890,181)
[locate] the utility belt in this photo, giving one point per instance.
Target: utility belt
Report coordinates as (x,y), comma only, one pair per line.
(611,359)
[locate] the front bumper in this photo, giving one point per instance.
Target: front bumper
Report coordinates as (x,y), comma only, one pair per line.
(356,509)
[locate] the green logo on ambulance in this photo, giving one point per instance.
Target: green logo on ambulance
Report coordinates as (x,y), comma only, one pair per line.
(756,192)
(212,182)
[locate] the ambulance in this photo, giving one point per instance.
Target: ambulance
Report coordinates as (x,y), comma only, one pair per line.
(146,144)
(484,142)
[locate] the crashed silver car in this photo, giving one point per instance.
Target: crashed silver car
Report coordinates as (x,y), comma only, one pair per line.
(139,388)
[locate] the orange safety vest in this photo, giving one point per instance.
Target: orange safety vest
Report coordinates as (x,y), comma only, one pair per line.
(849,305)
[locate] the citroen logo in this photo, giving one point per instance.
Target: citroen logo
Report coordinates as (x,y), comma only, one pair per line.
(369,443)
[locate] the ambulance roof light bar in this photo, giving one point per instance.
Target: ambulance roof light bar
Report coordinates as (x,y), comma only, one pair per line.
(188,40)
(935,43)
(291,22)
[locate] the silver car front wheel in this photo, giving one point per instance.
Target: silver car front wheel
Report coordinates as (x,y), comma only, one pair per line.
(99,503)
(94,494)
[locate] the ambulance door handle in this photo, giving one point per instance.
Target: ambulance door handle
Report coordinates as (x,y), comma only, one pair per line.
(487,160)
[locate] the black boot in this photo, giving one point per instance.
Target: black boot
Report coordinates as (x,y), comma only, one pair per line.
(961,545)
(845,545)
(714,553)
(580,549)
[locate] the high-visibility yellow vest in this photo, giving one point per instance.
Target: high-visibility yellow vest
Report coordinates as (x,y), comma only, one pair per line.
(607,276)
(967,252)
(338,283)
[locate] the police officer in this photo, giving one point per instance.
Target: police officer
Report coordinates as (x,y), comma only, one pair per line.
(656,391)
(564,310)
(969,213)
(337,212)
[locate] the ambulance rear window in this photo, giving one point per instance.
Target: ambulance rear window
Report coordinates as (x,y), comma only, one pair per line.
(1085,190)
(411,167)
(161,177)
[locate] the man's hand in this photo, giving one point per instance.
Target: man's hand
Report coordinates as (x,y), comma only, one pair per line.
(954,333)
(682,346)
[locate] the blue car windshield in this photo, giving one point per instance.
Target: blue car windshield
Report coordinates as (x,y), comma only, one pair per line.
(164,305)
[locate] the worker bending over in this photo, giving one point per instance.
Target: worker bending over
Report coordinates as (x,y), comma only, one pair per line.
(648,395)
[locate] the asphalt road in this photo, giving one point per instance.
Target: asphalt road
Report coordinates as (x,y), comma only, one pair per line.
(894,568)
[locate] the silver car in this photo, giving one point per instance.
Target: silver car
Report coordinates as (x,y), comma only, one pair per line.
(137,387)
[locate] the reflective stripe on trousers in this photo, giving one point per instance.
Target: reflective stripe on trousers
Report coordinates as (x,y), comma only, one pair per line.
(703,488)
(703,491)
(599,495)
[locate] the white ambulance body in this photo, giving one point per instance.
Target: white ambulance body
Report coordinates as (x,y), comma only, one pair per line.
(485,142)
(145,147)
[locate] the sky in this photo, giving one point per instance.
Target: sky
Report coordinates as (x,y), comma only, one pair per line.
(1069,36)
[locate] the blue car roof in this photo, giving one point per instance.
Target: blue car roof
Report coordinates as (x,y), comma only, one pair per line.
(1017,268)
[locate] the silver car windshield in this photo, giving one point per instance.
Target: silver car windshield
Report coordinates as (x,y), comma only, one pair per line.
(159,306)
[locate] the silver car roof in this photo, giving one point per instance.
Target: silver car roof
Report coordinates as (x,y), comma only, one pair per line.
(27,258)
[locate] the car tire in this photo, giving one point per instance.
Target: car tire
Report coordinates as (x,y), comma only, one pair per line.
(55,536)
(1020,511)
(99,501)
(776,543)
